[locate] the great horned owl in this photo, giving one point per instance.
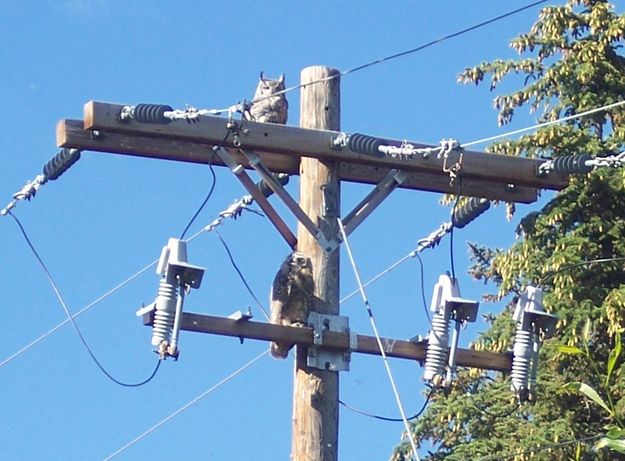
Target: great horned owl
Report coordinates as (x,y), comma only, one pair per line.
(265,107)
(292,295)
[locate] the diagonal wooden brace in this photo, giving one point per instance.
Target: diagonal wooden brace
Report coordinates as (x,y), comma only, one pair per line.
(383,189)
(258,196)
(329,245)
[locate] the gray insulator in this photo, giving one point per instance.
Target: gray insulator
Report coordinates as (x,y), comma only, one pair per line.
(572,164)
(165,312)
(468,212)
(364,144)
(152,113)
(60,163)
(282,178)
(521,362)
(438,348)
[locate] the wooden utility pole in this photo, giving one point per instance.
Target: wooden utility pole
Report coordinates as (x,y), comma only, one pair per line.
(325,157)
(315,400)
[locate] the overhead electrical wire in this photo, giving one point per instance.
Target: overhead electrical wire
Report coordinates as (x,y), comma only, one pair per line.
(385,418)
(241,276)
(186,406)
(365,300)
(412,254)
(544,124)
(231,212)
(210,190)
(71,319)
(568,267)
(77,313)
(401,53)
(539,448)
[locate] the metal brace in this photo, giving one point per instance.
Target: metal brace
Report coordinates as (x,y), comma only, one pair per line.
(382,190)
(327,359)
(329,245)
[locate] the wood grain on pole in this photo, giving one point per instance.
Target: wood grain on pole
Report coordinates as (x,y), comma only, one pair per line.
(315,399)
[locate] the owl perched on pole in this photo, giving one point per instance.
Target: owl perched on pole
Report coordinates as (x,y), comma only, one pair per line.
(265,107)
(292,295)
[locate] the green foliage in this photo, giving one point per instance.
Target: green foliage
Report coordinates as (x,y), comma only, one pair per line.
(570,61)
(614,440)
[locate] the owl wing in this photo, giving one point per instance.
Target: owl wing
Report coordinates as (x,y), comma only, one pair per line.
(280,292)
(279,300)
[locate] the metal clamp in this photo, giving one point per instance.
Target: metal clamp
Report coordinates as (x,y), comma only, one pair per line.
(327,359)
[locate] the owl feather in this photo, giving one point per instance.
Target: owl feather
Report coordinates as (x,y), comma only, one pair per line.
(267,106)
(292,294)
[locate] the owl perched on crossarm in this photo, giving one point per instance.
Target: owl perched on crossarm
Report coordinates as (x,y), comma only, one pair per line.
(292,295)
(265,107)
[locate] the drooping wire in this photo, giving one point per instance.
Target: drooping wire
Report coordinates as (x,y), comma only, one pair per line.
(400,406)
(77,313)
(385,418)
(71,319)
(551,446)
(232,211)
(422,278)
(503,414)
(206,199)
(549,276)
(211,189)
(241,276)
(186,406)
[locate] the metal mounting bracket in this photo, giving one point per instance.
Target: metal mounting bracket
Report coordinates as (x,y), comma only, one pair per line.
(383,189)
(320,357)
(258,196)
(329,245)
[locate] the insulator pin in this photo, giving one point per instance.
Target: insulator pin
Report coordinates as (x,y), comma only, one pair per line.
(364,144)
(152,113)
(60,163)
(468,212)
(282,178)
(570,164)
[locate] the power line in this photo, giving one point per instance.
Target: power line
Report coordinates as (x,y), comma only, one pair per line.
(187,405)
(385,418)
(71,319)
(552,446)
(77,313)
(401,53)
(544,124)
(232,211)
(572,266)
(400,406)
(241,276)
(210,190)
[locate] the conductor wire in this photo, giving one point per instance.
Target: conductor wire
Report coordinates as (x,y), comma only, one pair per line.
(400,406)
(232,212)
(186,406)
(236,268)
(402,53)
(71,319)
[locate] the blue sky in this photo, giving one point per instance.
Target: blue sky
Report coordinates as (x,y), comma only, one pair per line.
(110,215)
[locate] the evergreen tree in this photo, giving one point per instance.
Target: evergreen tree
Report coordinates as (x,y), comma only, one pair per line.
(569,62)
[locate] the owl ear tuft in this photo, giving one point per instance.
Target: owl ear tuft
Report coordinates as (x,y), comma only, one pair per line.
(281,79)
(262,76)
